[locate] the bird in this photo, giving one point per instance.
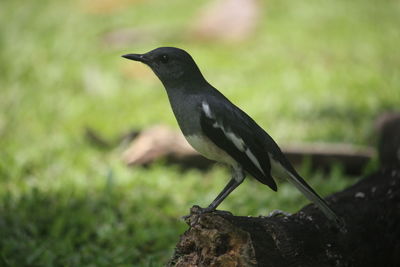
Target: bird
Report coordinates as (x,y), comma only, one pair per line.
(221,131)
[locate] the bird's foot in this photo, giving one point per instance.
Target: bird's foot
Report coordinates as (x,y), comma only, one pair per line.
(278,213)
(196,211)
(199,210)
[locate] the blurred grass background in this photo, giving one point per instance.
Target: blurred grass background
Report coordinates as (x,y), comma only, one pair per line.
(314,71)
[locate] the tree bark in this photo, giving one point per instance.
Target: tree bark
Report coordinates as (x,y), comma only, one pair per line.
(370,208)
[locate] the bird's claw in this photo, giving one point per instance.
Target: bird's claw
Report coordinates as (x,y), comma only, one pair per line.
(197,210)
(278,213)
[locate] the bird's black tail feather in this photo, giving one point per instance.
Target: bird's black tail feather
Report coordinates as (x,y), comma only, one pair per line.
(311,195)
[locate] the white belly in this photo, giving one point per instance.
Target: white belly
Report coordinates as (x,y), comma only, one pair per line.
(208,149)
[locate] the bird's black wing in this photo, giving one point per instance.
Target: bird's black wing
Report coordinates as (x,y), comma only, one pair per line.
(233,131)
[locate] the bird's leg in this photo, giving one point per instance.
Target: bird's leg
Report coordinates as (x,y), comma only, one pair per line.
(237,178)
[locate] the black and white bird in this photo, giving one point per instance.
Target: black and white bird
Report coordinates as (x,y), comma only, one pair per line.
(221,131)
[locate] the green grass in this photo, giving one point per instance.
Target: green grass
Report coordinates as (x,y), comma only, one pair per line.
(317,71)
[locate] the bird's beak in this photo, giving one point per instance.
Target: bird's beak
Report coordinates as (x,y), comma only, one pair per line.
(137,57)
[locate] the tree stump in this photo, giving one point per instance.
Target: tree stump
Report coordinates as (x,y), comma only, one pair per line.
(370,208)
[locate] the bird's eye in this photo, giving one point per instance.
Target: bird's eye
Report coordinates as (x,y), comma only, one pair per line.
(164,58)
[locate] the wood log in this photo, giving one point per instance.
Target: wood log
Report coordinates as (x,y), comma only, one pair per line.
(388,128)
(370,209)
(161,142)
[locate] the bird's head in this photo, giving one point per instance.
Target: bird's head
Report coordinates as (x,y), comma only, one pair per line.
(171,65)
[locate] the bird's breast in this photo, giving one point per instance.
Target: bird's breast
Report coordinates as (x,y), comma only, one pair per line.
(208,149)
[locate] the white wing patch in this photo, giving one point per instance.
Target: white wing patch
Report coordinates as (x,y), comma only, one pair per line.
(254,159)
(236,140)
(206,109)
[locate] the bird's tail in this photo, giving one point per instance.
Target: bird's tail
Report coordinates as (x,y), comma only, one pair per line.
(311,195)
